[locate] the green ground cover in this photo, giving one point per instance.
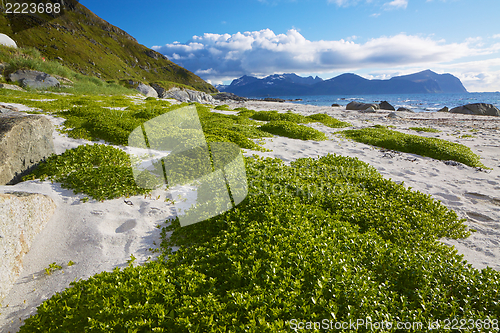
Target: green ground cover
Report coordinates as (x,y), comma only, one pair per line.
(425,129)
(296,118)
(292,130)
(325,238)
(430,147)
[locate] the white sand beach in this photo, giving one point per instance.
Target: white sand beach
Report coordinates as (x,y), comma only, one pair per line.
(99,236)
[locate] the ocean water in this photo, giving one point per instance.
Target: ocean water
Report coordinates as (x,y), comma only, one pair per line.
(416,102)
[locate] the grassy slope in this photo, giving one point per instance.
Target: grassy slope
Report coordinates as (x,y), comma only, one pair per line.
(92,46)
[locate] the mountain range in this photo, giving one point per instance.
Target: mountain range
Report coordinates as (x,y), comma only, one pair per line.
(346,84)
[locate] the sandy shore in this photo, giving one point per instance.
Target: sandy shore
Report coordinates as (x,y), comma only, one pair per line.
(99,236)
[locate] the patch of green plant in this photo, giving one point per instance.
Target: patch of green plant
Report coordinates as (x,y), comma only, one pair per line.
(223,107)
(52,267)
(328,121)
(466,136)
(292,130)
(275,116)
(100,171)
(244,112)
(425,129)
(431,147)
(325,238)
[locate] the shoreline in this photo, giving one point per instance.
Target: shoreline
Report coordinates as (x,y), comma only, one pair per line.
(86,233)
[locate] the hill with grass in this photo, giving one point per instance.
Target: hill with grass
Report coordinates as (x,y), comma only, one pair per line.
(87,44)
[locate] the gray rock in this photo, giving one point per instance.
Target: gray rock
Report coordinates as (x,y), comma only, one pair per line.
(8,109)
(393,115)
(11,87)
(22,217)
(371,109)
(162,92)
(272,99)
(386,106)
(481,109)
(361,106)
(445,109)
(7,41)
(146,90)
(25,140)
(401,109)
(189,96)
(222,96)
(200,97)
(34,79)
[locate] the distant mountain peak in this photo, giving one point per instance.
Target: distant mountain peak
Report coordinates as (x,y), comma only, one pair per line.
(290,84)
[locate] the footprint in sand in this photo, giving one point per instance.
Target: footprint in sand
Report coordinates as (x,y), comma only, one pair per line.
(481,197)
(479,217)
(126,226)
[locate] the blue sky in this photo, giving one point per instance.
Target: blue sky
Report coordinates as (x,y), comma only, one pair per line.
(222,40)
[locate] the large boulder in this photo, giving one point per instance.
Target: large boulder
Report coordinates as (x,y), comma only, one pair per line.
(34,79)
(481,109)
(361,106)
(386,106)
(22,217)
(7,41)
(146,90)
(25,140)
(188,95)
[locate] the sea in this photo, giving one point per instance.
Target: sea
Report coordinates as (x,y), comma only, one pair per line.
(415,102)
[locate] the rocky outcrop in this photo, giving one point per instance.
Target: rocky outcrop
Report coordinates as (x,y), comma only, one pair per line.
(162,92)
(8,108)
(146,90)
(481,109)
(11,87)
(34,79)
(402,109)
(22,217)
(188,95)
(7,41)
(386,106)
(361,106)
(272,99)
(445,109)
(25,140)
(222,96)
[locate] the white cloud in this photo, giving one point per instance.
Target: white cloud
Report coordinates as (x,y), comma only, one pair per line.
(396,4)
(223,57)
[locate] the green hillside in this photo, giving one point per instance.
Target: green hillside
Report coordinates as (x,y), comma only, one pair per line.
(82,41)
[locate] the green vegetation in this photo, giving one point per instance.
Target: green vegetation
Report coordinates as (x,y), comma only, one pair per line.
(100,171)
(31,58)
(88,45)
(466,136)
(425,129)
(295,118)
(430,147)
(292,130)
(223,107)
(325,238)
(52,267)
